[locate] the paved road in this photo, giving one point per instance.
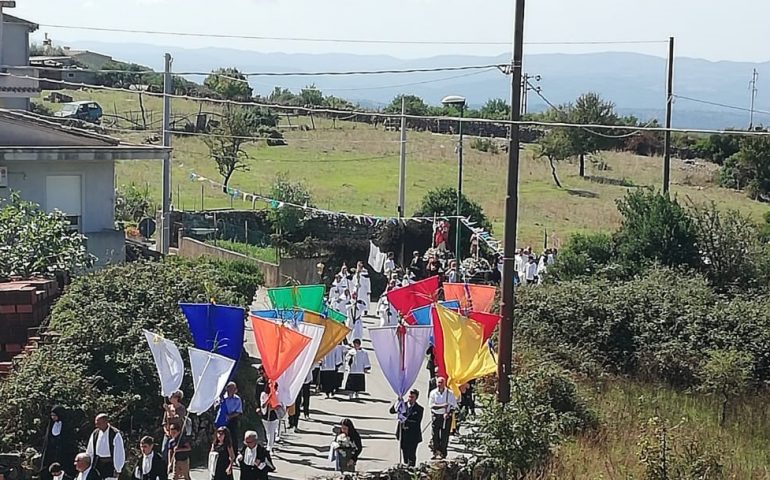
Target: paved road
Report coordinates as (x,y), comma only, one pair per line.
(305,454)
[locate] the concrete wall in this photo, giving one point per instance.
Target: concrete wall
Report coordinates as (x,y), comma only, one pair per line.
(15,44)
(194,249)
(302,270)
(108,246)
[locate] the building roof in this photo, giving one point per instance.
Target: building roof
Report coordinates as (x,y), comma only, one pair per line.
(11,19)
(22,116)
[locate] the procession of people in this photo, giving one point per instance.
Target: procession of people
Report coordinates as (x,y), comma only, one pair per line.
(342,369)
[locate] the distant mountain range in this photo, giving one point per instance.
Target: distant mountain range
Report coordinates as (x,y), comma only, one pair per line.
(635,82)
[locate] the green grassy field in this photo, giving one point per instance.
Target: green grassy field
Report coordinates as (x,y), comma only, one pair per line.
(624,406)
(354,168)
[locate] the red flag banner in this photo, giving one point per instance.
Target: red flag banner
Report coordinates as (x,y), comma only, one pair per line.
(477,298)
(405,299)
(488,322)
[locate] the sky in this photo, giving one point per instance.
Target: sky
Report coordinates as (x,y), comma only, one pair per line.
(710,29)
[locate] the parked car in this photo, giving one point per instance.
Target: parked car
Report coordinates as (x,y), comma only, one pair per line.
(87,111)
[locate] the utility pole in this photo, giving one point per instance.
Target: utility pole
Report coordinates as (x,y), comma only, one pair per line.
(402,162)
(669,108)
(165,239)
(753,88)
(505,353)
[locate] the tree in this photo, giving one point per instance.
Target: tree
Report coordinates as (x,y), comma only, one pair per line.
(33,242)
(588,109)
(414,105)
(311,96)
(123,75)
(443,201)
(496,109)
(287,218)
(717,148)
(656,228)
(236,128)
(283,96)
(132,203)
(726,373)
(555,146)
(229,83)
(749,168)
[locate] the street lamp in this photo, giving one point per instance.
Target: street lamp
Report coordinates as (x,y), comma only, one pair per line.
(459,102)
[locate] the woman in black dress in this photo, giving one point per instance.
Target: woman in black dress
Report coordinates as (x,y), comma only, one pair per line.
(59,445)
(223,446)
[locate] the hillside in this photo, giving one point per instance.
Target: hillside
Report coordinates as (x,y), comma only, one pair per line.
(354,168)
(635,82)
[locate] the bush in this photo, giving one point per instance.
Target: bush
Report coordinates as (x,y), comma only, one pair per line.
(584,255)
(658,326)
(544,408)
(656,228)
(101,362)
(132,204)
(485,145)
(33,242)
(667,454)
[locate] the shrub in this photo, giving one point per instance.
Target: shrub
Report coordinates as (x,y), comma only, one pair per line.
(133,203)
(485,145)
(726,373)
(666,454)
(656,228)
(33,242)
(584,255)
(101,362)
(544,408)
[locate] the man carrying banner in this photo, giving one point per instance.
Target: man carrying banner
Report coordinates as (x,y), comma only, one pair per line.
(442,403)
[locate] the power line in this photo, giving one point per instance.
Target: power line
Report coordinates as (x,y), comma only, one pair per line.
(284,74)
(341,40)
(331,111)
(723,105)
(625,135)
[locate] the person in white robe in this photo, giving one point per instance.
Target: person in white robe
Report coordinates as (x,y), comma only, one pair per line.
(336,290)
(355,309)
(542,269)
(342,351)
(345,277)
(388,314)
(531,271)
(358,365)
(389,267)
(329,366)
(342,301)
(362,285)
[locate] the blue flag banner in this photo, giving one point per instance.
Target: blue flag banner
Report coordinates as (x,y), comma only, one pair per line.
(216,328)
(422,315)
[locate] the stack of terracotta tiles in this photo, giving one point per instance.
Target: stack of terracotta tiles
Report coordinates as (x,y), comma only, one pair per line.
(24,305)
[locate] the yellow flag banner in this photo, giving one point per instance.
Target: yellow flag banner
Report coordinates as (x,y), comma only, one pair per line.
(466,355)
(334,332)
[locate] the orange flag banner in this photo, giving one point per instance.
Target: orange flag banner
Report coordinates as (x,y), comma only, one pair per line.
(278,347)
(466,355)
(334,332)
(477,298)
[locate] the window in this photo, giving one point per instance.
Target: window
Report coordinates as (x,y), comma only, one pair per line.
(64,193)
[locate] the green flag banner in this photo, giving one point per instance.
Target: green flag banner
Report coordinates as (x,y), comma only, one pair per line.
(307,297)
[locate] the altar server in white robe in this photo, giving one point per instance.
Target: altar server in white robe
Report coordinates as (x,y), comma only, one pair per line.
(388,314)
(358,364)
(362,285)
(336,291)
(355,309)
(330,364)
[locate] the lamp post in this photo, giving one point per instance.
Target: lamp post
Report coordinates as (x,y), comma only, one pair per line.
(459,102)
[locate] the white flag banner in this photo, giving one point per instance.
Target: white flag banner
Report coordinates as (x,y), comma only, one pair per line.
(290,382)
(210,372)
(168,362)
(376,257)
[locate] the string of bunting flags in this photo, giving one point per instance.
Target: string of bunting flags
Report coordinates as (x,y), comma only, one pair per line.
(484,235)
(273,203)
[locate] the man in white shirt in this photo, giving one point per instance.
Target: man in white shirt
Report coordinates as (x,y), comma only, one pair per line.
(83,467)
(442,403)
(105,448)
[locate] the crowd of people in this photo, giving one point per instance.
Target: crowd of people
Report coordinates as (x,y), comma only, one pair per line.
(342,371)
